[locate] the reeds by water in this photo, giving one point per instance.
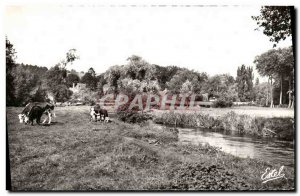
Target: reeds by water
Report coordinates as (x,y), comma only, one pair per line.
(231,122)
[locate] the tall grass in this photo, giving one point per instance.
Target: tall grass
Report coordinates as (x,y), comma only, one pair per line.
(232,122)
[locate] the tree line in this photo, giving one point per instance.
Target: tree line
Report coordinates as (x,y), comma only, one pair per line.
(32,83)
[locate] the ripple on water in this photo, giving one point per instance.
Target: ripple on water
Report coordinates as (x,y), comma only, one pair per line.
(271,150)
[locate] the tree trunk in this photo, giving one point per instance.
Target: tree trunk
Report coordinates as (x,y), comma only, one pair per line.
(267,99)
(290,94)
(280,96)
(271,93)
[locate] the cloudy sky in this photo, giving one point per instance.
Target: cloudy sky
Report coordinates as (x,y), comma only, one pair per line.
(207,39)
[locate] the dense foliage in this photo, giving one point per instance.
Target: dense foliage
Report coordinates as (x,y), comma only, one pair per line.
(278,66)
(244,81)
(28,83)
(25,83)
(275,22)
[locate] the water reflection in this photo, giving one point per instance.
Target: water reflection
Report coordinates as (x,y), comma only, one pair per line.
(271,150)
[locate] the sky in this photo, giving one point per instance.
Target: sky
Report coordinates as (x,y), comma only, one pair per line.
(212,39)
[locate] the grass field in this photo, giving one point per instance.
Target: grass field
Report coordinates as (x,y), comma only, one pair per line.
(75,154)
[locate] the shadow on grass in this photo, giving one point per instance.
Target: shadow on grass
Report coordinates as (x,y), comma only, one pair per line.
(54,123)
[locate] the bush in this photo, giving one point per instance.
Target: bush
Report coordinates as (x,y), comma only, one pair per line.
(187,120)
(222,103)
(133,117)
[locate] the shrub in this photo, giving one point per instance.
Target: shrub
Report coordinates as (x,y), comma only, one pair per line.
(133,117)
(222,103)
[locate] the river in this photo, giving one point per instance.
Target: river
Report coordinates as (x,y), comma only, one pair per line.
(272,150)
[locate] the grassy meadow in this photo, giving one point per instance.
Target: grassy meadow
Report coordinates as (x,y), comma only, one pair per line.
(75,154)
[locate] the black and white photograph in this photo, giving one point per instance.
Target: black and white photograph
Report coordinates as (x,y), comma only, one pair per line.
(150,97)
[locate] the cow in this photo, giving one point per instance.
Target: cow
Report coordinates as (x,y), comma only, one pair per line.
(93,115)
(104,115)
(46,107)
(97,113)
(36,112)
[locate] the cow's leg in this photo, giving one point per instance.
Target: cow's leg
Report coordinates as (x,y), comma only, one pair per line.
(45,119)
(92,118)
(38,120)
(49,117)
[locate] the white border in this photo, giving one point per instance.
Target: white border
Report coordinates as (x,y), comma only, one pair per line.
(4,3)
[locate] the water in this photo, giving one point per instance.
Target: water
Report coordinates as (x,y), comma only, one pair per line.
(272,150)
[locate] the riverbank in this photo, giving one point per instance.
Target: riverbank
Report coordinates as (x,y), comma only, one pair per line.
(254,111)
(75,154)
(281,127)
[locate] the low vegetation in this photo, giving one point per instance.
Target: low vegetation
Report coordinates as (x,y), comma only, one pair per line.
(280,127)
(75,154)
(134,117)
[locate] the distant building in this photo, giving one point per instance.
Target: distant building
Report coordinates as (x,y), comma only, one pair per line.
(77,87)
(79,74)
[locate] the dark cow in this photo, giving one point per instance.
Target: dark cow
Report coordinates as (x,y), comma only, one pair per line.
(36,112)
(95,112)
(103,115)
(46,107)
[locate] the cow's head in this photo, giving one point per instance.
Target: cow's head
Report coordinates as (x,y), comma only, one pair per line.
(21,118)
(26,119)
(102,117)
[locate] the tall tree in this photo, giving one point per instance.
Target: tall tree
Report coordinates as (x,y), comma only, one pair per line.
(112,75)
(196,79)
(57,84)
(165,74)
(89,80)
(261,97)
(72,78)
(71,56)
(265,64)
(10,63)
(275,22)
(56,78)
(277,65)
(186,87)
(92,72)
(138,68)
(244,81)
(284,67)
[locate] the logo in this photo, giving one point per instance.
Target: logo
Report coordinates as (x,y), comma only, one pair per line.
(270,175)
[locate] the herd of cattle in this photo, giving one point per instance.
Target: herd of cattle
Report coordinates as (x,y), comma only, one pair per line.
(35,110)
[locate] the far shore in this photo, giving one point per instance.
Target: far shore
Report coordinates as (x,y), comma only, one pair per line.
(253,111)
